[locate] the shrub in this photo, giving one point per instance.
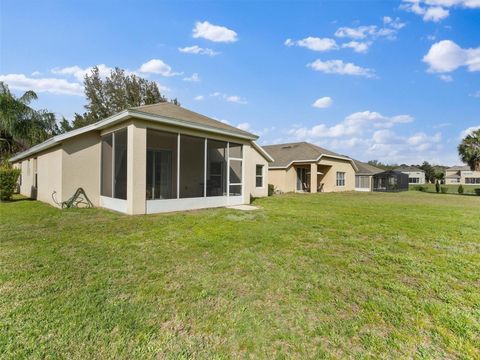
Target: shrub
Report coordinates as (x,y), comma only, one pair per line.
(444,189)
(437,187)
(477,191)
(271,189)
(420,188)
(460,189)
(8,182)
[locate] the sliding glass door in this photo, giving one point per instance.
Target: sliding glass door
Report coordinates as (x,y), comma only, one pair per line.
(114,165)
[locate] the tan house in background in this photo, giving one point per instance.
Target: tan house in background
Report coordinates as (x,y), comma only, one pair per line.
(304,167)
(461,175)
(148,159)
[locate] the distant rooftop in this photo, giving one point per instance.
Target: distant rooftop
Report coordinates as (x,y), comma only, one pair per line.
(459,168)
(408,169)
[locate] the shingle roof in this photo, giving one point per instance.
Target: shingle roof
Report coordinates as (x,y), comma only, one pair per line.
(408,169)
(459,168)
(366,169)
(169,110)
(285,154)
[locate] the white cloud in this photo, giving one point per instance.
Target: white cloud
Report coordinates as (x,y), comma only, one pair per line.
(436,10)
(157,66)
(446,56)
(229,98)
(193,78)
(446,78)
(476,94)
(79,73)
(323,102)
(51,85)
(357,46)
(36,73)
(389,30)
(197,50)
(360,32)
(199,98)
(339,67)
(314,43)
(468,131)
(245,126)
(215,33)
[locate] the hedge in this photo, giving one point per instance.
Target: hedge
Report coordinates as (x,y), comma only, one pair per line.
(8,182)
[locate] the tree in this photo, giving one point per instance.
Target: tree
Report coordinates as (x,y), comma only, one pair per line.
(20,125)
(429,171)
(469,150)
(115,93)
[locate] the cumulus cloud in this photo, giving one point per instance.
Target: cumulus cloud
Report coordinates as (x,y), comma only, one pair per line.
(79,73)
(245,126)
(357,46)
(341,68)
(323,102)
(436,10)
(229,98)
(199,98)
(476,94)
(314,43)
(157,66)
(214,33)
(389,30)
(197,50)
(446,56)
(193,78)
(51,85)
(446,78)
(468,131)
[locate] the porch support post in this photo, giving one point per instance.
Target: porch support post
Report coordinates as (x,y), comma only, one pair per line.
(313,178)
(136,169)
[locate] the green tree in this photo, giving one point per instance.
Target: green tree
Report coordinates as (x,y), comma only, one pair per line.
(469,150)
(20,125)
(429,172)
(115,93)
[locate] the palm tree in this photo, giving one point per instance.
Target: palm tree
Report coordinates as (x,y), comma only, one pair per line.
(20,125)
(469,150)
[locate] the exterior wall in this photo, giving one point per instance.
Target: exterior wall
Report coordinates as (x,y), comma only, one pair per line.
(136,169)
(416,174)
(468,174)
(49,176)
(329,179)
(284,180)
(26,182)
(81,166)
(463,175)
(252,158)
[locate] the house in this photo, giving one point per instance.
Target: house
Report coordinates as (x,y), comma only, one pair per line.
(415,175)
(148,159)
(304,167)
(364,176)
(390,181)
(461,175)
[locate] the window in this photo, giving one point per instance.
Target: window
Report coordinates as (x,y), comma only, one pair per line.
(340,178)
(259,176)
(472,180)
(413,180)
(114,165)
(162,152)
(362,182)
(216,168)
(192,166)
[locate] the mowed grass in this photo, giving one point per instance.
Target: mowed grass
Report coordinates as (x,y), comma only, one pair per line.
(347,275)
(452,189)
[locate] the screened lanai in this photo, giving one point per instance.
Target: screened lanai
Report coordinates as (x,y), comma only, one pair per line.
(390,181)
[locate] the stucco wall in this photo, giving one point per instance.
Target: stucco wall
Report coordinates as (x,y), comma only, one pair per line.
(284,180)
(252,158)
(26,182)
(81,166)
(49,176)
(330,167)
(416,174)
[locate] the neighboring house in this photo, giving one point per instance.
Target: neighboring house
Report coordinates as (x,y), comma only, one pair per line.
(415,175)
(304,167)
(148,159)
(463,175)
(364,176)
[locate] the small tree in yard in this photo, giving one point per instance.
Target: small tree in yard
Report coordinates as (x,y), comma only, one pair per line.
(460,189)
(8,182)
(437,186)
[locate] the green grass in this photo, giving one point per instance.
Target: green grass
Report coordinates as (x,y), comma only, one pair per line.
(452,189)
(347,275)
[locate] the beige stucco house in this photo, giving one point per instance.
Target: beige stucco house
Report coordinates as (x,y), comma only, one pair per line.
(148,159)
(415,175)
(304,167)
(463,175)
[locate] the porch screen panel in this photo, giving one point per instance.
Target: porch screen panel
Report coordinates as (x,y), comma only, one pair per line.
(216,168)
(235,171)
(120,150)
(192,166)
(162,154)
(106,176)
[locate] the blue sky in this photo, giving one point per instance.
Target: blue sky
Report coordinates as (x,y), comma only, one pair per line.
(393,81)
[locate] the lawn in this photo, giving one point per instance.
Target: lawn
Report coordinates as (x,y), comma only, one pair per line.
(452,189)
(348,275)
